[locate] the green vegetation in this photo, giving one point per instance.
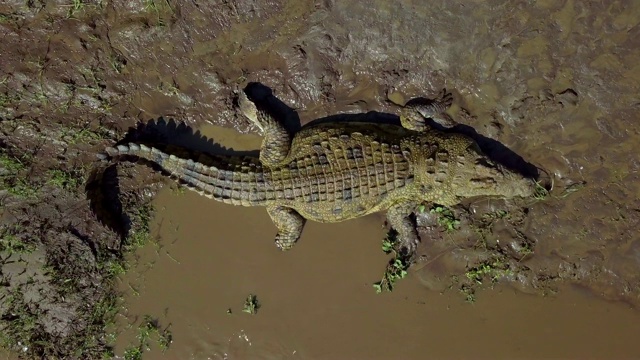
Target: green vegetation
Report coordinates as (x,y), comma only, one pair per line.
(389,242)
(446,218)
(469,293)
(23,321)
(13,177)
(101,317)
(84,135)
(66,180)
(251,305)
(159,7)
(133,353)
(149,331)
(540,192)
(397,267)
(76,6)
(141,235)
(11,244)
(114,268)
(494,269)
(396,270)
(21,330)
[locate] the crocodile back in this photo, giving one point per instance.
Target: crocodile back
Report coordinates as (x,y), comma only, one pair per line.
(336,173)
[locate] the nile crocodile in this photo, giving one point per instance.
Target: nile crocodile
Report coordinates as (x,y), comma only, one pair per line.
(343,170)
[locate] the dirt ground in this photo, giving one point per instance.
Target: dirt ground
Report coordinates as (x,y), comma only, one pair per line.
(556,82)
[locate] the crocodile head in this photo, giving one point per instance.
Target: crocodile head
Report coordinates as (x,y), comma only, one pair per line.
(477,175)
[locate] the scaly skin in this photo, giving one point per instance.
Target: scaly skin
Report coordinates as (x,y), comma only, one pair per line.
(340,171)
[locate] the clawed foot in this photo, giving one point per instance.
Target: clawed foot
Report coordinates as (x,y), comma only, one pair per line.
(417,111)
(445,100)
(407,250)
(429,108)
(249,110)
(285,242)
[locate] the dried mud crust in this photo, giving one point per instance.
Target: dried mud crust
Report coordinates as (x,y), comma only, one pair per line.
(76,75)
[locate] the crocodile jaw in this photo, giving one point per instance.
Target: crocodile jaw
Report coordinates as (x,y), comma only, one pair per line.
(496,180)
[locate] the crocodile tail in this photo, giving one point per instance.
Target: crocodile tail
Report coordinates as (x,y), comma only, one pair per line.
(222,185)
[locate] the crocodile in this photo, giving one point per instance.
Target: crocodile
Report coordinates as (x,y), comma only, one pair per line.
(331,172)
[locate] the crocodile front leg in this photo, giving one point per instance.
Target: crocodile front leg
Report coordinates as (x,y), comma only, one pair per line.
(289,224)
(399,218)
(416,112)
(277,141)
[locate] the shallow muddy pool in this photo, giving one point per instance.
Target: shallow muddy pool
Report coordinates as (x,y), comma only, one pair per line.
(317,301)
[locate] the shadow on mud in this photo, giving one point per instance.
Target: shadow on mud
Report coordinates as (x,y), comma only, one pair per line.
(103,189)
(264,98)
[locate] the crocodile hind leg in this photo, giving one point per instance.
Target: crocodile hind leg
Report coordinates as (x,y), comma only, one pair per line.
(276,142)
(399,218)
(416,112)
(289,224)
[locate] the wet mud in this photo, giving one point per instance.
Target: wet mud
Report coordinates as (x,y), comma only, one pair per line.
(555,82)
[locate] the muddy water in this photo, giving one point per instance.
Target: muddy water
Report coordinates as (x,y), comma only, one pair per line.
(317,301)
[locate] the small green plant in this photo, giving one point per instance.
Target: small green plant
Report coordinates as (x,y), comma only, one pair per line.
(397,267)
(11,165)
(11,244)
(540,192)
(251,304)
(85,135)
(22,330)
(148,329)
(469,293)
(115,268)
(165,339)
(493,269)
(133,353)
(446,218)
(396,270)
(22,189)
(11,178)
(76,6)
(141,236)
(66,180)
(117,64)
(150,5)
(389,242)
